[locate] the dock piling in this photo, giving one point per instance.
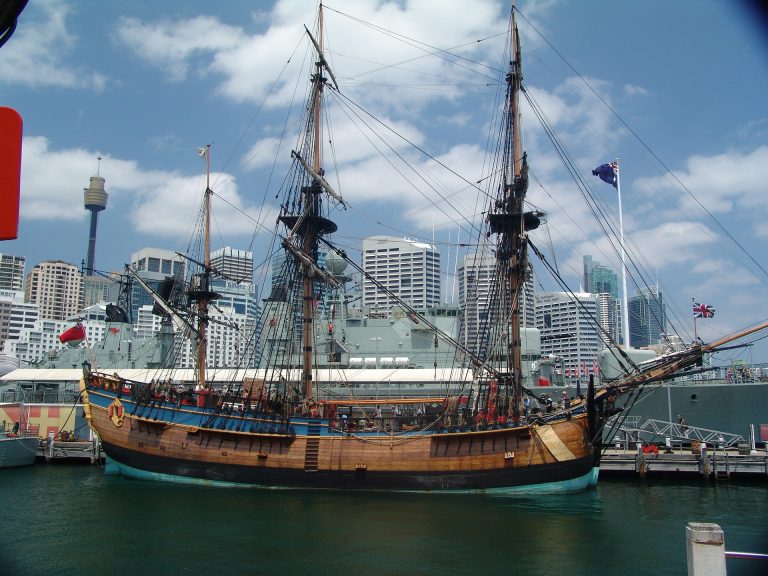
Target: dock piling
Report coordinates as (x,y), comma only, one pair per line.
(705,547)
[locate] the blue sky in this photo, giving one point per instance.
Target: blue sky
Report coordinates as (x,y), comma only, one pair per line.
(144,84)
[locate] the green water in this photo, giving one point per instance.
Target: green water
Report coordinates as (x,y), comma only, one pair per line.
(72,520)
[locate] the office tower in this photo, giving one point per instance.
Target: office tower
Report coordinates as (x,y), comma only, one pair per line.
(57,288)
(478,282)
(152,265)
(40,341)
(232,331)
(11,272)
(601,280)
(98,290)
(408,269)
(568,330)
(647,317)
(235,265)
(15,315)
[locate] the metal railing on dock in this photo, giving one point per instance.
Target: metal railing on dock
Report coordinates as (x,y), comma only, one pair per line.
(718,463)
(55,450)
(633,428)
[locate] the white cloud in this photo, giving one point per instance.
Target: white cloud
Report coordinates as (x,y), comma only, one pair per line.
(261,153)
(723,182)
(160,203)
(171,46)
(169,208)
(635,90)
(37,53)
(246,61)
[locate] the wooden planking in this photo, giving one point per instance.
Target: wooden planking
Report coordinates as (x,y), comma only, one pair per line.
(476,451)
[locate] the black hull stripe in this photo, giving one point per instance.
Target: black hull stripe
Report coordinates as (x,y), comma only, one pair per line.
(363,479)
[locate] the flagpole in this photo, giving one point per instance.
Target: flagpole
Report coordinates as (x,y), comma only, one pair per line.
(624,305)
(695,335)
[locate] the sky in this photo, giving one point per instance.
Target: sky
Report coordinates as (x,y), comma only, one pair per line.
(674,89)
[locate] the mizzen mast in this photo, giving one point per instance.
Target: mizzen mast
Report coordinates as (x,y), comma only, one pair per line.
(201,288)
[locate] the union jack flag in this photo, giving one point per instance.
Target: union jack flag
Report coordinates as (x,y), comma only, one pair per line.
(703,310)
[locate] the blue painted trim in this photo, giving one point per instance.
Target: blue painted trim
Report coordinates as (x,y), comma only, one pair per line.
(580,484)
(589,480)
(115,468)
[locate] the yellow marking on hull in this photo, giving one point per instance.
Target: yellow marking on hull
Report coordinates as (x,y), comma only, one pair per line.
(554,444)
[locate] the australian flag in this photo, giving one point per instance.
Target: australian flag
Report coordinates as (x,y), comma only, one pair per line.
(608,173)
(703,310)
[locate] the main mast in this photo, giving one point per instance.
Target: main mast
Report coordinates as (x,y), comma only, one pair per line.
(312,224)
(202,349)
(519,261)
(310,239)
(511,223)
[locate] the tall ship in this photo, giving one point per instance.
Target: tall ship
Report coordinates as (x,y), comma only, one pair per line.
(287,429)
(301,420)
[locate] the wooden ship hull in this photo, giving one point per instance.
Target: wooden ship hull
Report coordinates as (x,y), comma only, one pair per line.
(168,441)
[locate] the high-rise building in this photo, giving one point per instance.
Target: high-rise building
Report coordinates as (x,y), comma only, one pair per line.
(11,272)
(57,288)
(647,318)
(476,275)
(152,265)
(568,330)
(98,290)
(235,265)
(39,342)
(601,280)
(232,333)
(15,315)
(478,284)
(406,268)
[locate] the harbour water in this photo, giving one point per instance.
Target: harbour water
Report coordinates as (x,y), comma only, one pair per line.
(73,520)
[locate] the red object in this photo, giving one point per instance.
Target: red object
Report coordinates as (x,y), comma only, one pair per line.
(10,172)
(74,335)
(543,381)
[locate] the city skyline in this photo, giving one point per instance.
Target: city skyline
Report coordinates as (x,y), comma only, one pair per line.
(142,86)
(568,329)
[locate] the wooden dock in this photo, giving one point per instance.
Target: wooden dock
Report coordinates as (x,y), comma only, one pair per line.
(70,451)
(717,464)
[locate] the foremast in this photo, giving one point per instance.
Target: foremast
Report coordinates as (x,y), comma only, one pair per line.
(508,220)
